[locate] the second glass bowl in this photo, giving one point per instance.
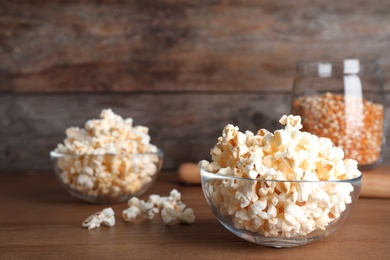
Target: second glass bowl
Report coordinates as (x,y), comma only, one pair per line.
(107,178)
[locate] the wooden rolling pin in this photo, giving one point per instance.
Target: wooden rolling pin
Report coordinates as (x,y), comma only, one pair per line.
(189,173)
(375,182)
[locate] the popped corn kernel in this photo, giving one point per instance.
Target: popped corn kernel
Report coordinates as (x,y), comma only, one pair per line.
(139,209)
(279,209)
(105,217)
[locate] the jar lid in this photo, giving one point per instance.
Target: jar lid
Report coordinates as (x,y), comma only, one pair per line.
(351,66)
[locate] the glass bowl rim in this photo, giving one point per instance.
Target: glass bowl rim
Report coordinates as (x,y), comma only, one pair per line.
(54,154)
(221,177)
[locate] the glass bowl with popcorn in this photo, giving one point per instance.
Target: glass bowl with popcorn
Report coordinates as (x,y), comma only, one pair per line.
(107,161)
(281,189)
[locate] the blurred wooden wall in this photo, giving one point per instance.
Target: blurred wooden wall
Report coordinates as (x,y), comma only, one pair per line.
(183,68)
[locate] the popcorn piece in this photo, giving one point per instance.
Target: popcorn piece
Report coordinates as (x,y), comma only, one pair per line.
(171,208)
(187,216)
(92,222)
(279,209)
(106,216)
(131,213)
(97,171)
(178,213)
(139,209)
(169,215)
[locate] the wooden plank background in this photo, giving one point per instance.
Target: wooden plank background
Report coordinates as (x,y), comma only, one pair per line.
(184,68)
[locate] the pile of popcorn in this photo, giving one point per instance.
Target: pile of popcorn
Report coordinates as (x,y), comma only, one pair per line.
(279,209)
(172,210)
(111,157)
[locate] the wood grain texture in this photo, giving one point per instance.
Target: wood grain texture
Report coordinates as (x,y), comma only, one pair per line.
(180,45)
(185,126)
(39,220)
(184,68)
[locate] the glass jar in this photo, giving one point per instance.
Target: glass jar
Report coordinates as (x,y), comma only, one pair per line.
(344,101)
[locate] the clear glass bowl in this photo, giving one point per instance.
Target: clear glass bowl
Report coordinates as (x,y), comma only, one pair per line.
(280,213)
(108,178)
(344,101)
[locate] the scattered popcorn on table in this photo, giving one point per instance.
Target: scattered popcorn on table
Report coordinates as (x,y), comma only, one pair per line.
(280,209)
(171,208)
(104,163)
(139,209)
(106,216)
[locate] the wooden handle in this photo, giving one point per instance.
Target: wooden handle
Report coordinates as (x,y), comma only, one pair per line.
(189,173)
(376,184)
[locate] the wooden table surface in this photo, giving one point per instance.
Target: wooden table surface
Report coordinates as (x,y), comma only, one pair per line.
(39,220)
